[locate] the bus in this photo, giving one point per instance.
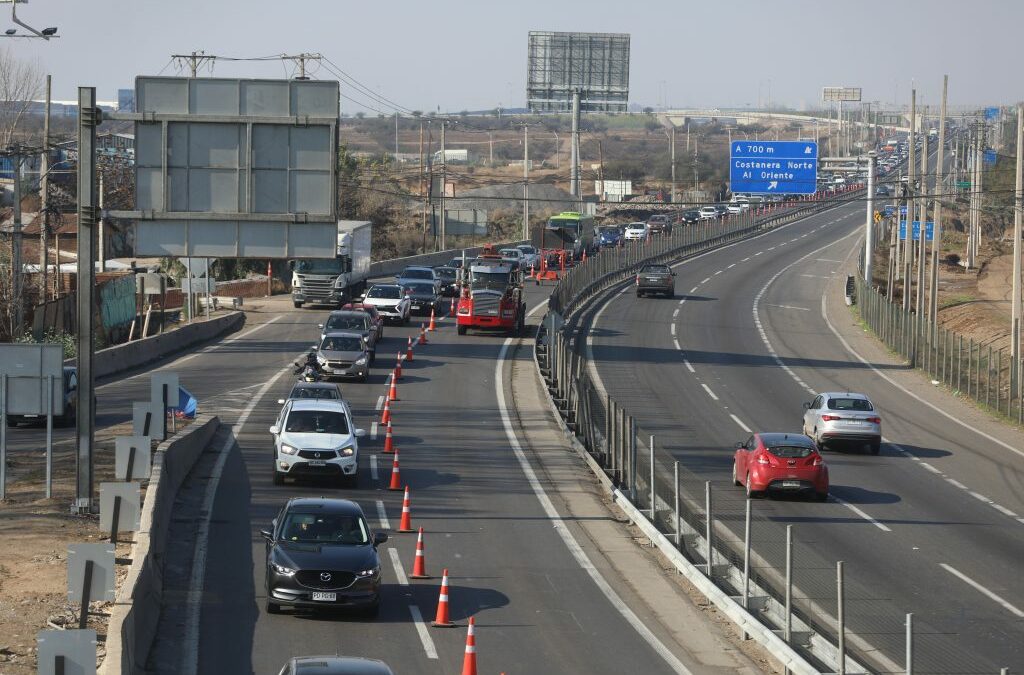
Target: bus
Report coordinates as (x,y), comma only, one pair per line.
(570,231)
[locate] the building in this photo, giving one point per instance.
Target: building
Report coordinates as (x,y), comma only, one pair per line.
(125,100)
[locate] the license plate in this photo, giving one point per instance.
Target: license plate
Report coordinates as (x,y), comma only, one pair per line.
(790,483)
(854,423)
(317,462)
(325,597)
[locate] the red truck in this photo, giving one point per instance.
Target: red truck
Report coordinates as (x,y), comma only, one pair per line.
(491,295)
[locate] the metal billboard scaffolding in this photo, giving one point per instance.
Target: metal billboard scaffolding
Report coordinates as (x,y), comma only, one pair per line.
(594,64)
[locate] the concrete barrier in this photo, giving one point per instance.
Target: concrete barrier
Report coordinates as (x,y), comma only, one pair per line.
(133,621)
(130,355)
(383,268)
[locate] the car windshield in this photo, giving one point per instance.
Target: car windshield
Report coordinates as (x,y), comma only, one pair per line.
(333,528)
(861,404)
(316,422)
(655,269)
(446,273)
(610,230)
(340,343)
(417,274)
(388,292)
(421,289)
(314,393)
(528,250)
(510,252)
(790,451)
(497,281)
(319,266)
(346,322)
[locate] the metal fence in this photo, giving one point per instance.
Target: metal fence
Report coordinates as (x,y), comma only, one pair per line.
(976,370)
(752,552)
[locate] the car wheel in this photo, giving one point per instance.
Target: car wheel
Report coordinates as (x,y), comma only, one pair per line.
(11,423)
(821,496)
(373,356)
(273,607)
(461,330)
(297,304)
(278,477)
(751,494)
(734,480)
(876,448)
(639,294)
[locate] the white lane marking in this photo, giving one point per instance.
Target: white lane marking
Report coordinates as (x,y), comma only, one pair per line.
(863,515)
(694,289)
(373,431)
(981,589)
(380,402)
(675,342)
(396,563)
(688,366)
(815,276)
(930,467)
(758,253)
(197,581)
(718,272)
(374,474)
(731,266)
(827,260)
(802,309)
(382,515)
(675,313)
(956,483)
(708,390)
(1003,510)
(421,630)
(770,248)
(706,280)
(979,497)
(795,239)
(738,421)
(563,531)
(746,259)
(672,328)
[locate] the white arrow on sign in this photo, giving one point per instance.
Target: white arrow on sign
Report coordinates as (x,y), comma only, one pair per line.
(808,151)
(772,185)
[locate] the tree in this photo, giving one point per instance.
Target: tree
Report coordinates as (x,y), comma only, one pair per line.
(20,83)
(651,126)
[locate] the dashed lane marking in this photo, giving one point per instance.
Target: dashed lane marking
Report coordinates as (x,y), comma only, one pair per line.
(708,390)
(421,630)
(863,515)
(687,363)
(983,590)
(373,431)
(374,474)
(382,515)
(396,563)
(739,422)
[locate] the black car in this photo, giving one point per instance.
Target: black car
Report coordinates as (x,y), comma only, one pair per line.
(655,279)
(449,286)
(322,555)
(423,296)
(690,217)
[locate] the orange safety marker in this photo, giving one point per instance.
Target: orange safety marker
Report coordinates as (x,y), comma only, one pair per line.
(406,524)
(408,350)
(389,447)
(385,417)
(419,566)
(432,326)
(469,660)
(423,334)
(398,365)
(396,476)
(393,391)
(441,619)
(451,311)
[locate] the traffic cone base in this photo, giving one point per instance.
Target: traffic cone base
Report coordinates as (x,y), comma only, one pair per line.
(419,567)
(469,660)
(441,619)
(396,476)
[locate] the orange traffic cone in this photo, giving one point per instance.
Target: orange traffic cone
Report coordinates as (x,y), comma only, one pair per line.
(406,524)
(398,365)
(385,417)
(423,334)
(432,326)
(408,350)
(451,310)
(388,442)
(469,660)
(396,475)
(441,620)
(393,391)
(532,272)
(584,255)
(419,566)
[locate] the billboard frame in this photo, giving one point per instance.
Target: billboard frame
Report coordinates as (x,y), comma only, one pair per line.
(841,94)
(559,64)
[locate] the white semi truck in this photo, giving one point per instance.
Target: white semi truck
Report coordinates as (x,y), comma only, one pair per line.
(335,281)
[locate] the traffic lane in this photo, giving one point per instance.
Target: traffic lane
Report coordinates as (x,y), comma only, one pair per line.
(721,329)
(478,579)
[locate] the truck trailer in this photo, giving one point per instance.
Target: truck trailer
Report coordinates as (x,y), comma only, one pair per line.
(335,281)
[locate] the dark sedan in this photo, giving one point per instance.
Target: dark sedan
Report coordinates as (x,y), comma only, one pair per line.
(449,284)
(423,296)
(656,279)
(322,555)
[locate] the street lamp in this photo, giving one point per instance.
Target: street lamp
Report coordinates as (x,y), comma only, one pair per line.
(46,33)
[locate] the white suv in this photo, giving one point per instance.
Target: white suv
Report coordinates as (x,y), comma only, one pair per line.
(316,438)
(843,417)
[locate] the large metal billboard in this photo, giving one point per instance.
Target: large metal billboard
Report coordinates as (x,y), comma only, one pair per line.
(840,93)
(595,64)
(235,168)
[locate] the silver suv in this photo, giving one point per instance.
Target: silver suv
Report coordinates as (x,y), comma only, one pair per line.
(344,354)
(316,438)
(843,418)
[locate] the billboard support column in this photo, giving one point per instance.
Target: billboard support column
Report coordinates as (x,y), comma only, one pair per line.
(89,117)
(869,228)
(574,175)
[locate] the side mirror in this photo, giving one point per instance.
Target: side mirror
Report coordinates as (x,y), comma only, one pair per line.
(319,325)
(275,430)
(379,538)
(280,401)
(360,433)
(314,348)
(360,298)
(807,406)
(739,445)
(291,265)
(268,535)
(673,274)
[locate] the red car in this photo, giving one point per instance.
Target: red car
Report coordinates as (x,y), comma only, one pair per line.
(788,463)
(378,320)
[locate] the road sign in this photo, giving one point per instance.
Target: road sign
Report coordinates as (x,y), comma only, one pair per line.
(991,114)
(964,184)
(840,93)
(989,158)
(903,210)
(915,231)
(783,167)
(889,209)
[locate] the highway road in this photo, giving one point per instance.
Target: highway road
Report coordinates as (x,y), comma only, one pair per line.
(931,526)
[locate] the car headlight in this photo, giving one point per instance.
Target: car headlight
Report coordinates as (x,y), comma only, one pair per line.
(288,450)
(372,572)
(321,359)
(347,451)
(282,570)
(361,361)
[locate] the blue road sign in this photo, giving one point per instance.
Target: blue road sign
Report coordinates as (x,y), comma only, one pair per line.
(989,158)
(991,114)
(915,231)
(903,210)
(888,210)
(784,167)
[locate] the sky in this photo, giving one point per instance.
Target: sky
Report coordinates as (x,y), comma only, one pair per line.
(451,55)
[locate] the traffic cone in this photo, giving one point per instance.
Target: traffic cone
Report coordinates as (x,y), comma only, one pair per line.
(441,620)
(408,350)
(584,255)
(432,326)
(469,660)
(398,365)
(532,273)
(396,475)
(423,334)
(388,442)
(393,391)
(419,566)
(451,310)
(385,417)
(406,524)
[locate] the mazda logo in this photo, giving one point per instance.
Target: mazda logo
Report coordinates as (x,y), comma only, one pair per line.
(325,576)
(316,455)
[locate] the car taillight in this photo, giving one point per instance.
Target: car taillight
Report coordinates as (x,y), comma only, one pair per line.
(875,420)
(818,461)
(830,418)
(638,280)
(763,459)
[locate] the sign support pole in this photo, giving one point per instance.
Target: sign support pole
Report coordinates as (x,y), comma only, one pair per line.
(869,229)
(49,435)
(89,118)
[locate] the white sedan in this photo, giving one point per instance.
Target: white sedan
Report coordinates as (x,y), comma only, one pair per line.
(635,232)
(708,213)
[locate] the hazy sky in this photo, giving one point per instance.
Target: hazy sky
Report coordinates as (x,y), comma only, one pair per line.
(472,54)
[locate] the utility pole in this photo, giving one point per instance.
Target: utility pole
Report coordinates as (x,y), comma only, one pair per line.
(933,298)
(1018,232)
(908,249)
(869,231)
(195,60)
(396,140)
(44,202)
(17,271)
(444,184)
(526,182)
(490,149)
(674,163)
(101,244)
(979,155)
(574,171)
(922,249)
(423,223)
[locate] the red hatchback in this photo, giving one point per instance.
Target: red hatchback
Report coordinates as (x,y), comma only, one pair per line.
(780,463)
